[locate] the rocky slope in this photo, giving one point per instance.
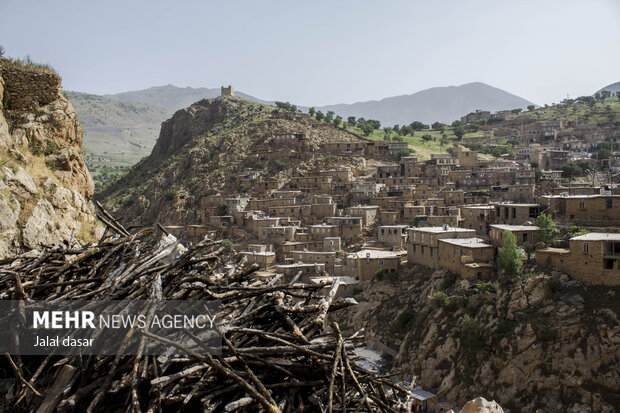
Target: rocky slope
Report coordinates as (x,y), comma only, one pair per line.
(45,188)
(541,343)
(202,149)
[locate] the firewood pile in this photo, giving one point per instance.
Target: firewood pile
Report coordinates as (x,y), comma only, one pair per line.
(280,352)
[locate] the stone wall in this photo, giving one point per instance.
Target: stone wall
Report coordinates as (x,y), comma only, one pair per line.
(28,88)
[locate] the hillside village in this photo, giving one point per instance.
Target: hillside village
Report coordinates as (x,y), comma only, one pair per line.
(449,212)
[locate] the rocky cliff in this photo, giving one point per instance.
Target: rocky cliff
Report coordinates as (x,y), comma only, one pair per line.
(45,188)
(541,342)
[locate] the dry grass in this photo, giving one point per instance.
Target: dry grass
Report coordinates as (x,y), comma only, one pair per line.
(28,64)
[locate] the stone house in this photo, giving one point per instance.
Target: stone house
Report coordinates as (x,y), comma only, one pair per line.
(265,259)
(586,210)
(477,217)
(515,214)
(364,264)
(367,212)
(592,258)
(326,258)
(423,243)
(523,233)
(467,257)
(392,235)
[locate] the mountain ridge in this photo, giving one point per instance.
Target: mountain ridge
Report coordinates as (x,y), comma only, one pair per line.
(441,103)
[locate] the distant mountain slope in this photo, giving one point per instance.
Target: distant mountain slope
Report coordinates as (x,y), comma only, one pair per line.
(118,127)
(613,88)
(444,104)
(175,98)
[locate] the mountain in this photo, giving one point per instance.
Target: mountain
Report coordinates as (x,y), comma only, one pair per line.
(613,88)
(444,104)
(117,127)
(175,98)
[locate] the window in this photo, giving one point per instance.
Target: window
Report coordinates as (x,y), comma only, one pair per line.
(380,263)
(582,204)
(608,203)
(431,252)
(585,248)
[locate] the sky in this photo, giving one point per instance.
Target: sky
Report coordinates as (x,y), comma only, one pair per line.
(322,52)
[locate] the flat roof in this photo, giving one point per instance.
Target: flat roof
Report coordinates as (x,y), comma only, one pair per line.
(514,227)
(598,236)
(393,226)
(466,242)
(581,196)
(476,206)
(510,204)
(373,254)
(441,229)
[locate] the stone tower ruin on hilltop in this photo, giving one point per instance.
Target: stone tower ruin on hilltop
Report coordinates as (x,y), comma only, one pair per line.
(227,91)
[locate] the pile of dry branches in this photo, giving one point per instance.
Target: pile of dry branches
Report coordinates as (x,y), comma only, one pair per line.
(279,351)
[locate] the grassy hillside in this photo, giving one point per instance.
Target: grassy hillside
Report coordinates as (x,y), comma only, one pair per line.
(117,134)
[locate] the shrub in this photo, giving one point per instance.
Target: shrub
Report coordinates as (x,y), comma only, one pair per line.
(504,327)
(379,275)
(485,287)
(441,300)
(171,194)
(461,300)
(469,332)
(554,284)
(227,246)
(405,318)
(392,276)
(546,333)
(448,281)
(278,165)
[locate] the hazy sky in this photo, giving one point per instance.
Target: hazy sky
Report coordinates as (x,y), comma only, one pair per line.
(322,52)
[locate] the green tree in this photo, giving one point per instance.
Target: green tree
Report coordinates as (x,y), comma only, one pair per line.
(459,131)
(531,107)
(329,116)
(319,115)
(509,257)
(571,170)
(438,126)
(366,128)
(351,120)
(311,111)
(516,111)
(417,125)
(427,137)
(387,132)
(456,124)
(547,231)
(337,120)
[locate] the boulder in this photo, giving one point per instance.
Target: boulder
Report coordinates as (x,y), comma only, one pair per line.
(481,405)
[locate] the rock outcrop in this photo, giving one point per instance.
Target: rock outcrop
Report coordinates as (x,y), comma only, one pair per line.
(541,341)
(45,187)
(481,405)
